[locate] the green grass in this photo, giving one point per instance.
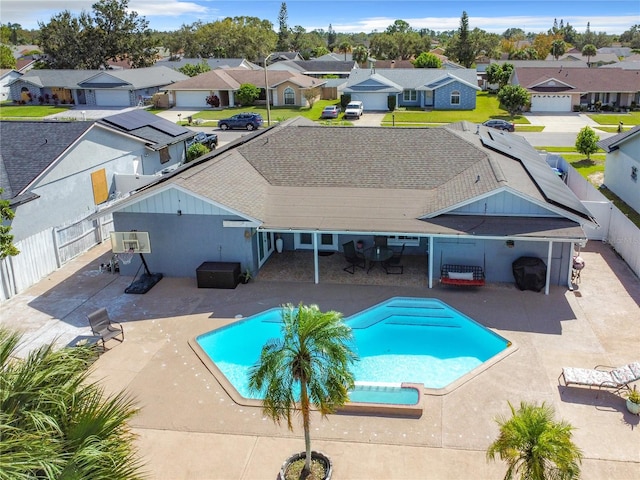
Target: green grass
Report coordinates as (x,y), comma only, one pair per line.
(624,208)
(487,106)
(30,111)
(631,118)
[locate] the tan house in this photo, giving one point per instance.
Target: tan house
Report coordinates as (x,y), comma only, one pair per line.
(285,88)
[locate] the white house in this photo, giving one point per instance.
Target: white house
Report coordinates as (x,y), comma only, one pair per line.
(622,167)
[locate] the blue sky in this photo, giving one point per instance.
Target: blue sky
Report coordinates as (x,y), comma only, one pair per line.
(358,15)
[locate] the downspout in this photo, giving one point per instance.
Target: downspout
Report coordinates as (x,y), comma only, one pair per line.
(430,262)
(548,276)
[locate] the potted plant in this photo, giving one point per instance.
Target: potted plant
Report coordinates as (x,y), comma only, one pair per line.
(246,276)
(308,366)
(633,401)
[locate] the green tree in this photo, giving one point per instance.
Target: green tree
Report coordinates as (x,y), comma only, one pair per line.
(192,70)
(344,47)
(319,51)
(535,446)
(589,51)
(311,95)
(331,38)
(360,54)
(91,42)
(499,74)
(247,94)
(558,48)
(462,47)
(7,60)
(310,365)
(7,248)
(427,60)
(283,33)
(513,98)
(384,47)
(586,142)
(55,423)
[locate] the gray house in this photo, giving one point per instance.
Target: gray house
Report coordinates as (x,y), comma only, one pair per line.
(428,88)
(464,194)
(102,88)
(622,167)
(54,174)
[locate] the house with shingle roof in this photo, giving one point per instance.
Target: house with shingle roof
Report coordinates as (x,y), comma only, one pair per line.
(102,88)
(429,88)
(622,167)
(55,173)
(561,89)
(464,193)
(316,68)
(213,63)
(285,88)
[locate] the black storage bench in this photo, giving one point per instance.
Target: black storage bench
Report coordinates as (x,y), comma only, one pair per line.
(218,275)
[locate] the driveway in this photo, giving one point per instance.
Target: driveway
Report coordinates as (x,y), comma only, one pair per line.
(560,122)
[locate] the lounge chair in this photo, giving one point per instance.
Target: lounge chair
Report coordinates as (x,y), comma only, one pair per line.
(602,376)
(103,328)
(352,256)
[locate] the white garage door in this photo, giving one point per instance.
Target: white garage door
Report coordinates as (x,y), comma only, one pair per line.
(550,103)
(112,98)
(372,101)
(191,99)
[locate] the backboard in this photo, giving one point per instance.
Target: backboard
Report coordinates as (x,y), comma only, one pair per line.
(130,242)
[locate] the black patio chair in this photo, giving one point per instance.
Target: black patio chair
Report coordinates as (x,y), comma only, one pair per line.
(379,241)
(394,266)
(352,256)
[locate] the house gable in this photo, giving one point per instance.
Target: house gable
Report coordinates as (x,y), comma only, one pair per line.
(504,203)
(102,80)
(550,83)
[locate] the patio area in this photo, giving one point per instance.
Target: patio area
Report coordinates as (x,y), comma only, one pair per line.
(189,428)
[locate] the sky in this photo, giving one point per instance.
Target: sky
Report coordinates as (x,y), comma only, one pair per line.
(351,16)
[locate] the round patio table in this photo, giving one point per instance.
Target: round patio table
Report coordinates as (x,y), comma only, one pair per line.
(377,255)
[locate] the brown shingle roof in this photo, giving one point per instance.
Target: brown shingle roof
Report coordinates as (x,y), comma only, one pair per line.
(231,79)
(581,79)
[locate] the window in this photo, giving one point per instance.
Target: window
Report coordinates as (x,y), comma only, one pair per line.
(164,155)
(409,95)
(634,174)
(399,240)
(289,96)
(455,97)
(99,185)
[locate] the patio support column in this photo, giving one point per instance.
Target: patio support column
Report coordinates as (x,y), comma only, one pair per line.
(430,262)
(570,268)
(546,282)
(316,266)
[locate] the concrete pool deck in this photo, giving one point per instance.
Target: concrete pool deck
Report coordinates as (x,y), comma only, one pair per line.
(189,428)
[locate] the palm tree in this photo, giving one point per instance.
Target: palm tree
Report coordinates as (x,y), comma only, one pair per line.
(589,51)
(536,447)
(54,423)
(310,364)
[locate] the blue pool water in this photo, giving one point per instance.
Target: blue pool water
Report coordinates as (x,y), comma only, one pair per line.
(384,394)
(413,340)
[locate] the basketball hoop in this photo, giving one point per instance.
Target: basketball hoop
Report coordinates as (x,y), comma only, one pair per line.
(126,257)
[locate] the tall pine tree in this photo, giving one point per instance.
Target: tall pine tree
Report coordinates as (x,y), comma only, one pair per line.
(283,44)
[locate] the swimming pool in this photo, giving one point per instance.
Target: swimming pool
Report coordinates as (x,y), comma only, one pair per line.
(401,340)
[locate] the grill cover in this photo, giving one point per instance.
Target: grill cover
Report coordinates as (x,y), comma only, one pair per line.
(529,273)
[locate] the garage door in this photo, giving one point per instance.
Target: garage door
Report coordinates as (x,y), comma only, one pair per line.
(372,101)
(550,103)
(191,99)
(112,98)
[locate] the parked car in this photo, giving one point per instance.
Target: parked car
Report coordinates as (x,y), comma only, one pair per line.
(209,140)
(330,111)
(354,108)
(500,125)
(250,121)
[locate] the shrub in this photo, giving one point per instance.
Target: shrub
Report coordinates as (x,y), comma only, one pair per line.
(345,98)
(213,101)
(391,102)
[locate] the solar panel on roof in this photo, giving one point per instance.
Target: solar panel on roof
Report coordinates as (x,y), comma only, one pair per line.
(552,187)
(136,119)
(169,128)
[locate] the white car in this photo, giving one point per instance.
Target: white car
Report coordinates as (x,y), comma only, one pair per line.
(354,109)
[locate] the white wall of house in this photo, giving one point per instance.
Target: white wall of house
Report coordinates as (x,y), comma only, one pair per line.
(619,172)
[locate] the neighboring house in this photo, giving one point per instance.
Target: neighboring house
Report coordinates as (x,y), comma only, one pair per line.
(7,76)
(595,60)
(622,167)
(429,88)
(315,68)
(285,88)
(464,194)
(562,89)
(214,63)
(55,173)
(280,57)
(102,88)
(335,56)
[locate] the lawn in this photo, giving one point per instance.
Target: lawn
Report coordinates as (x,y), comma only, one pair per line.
(487,106)
(627,119)
(29,111)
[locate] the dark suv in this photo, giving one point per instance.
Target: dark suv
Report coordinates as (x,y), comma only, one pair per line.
(500,125)
(250,121)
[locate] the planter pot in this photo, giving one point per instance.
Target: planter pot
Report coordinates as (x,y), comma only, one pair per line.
(279,244)
(319,456)
(633,407)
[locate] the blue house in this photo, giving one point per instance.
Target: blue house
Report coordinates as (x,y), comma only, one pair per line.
(427,88)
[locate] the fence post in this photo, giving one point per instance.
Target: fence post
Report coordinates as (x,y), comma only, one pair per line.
(56,247)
